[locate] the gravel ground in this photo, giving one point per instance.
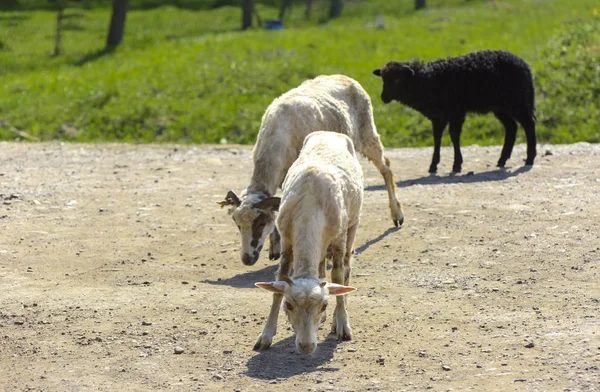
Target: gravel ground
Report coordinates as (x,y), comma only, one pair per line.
(118,271)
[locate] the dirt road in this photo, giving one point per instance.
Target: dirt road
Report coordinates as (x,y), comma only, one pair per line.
(115,257)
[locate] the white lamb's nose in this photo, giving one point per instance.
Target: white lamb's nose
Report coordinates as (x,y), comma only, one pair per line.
(306,348)
(249,260)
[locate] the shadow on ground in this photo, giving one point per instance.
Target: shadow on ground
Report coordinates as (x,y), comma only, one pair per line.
(281,361)
(93,56)
(247,280)
(13,18)
(470,177)
(367,244)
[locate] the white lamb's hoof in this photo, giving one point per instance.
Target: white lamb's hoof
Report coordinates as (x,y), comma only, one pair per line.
(274,255)
(263,342)
(344,332)
(397,215)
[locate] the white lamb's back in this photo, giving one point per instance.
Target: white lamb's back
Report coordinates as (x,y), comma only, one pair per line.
(326,178)
(333,103)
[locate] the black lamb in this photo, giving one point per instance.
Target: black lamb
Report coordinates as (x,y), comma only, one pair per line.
(446,90)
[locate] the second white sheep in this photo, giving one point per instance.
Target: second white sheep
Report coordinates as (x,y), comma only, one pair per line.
(333,103)
(320,207)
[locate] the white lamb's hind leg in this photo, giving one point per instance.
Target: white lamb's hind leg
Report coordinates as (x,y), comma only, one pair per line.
(374,151)
(340,325)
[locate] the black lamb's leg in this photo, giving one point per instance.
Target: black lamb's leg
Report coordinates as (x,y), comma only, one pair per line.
(438,130)
(510,135)
(455,130)
(527,120)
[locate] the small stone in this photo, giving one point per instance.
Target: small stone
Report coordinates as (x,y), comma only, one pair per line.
(218,377)
(193,311)
(530,345)
(146,322)
(446,368)
(352,350)
(227,351)
(178,350)
(471,173)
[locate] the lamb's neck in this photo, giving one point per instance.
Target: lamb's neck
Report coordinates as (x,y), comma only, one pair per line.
(307,247)
(410,95)
(267,175)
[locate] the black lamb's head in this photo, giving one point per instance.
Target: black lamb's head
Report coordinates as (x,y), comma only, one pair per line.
(394,75)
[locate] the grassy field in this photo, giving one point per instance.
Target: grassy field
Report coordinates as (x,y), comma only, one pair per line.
(187,74)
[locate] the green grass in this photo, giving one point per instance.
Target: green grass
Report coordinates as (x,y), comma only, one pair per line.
(187,75)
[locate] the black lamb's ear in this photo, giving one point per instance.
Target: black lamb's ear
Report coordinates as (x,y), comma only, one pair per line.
(377,72)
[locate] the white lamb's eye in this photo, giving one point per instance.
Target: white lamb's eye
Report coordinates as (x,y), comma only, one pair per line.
(323,307)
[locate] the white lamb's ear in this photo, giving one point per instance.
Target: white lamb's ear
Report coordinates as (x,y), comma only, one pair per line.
(230,200)
(274,287)
(269,204)
(338,289)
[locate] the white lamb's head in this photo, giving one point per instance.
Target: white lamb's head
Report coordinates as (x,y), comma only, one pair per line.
(305,303)
(254,215)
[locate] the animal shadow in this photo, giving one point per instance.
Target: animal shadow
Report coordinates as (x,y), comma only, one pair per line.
(367,244)
(281,361)
(247,280)
(470,177)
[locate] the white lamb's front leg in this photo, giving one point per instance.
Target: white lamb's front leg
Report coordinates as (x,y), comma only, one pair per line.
(275,248)
(342,329)
(270,329)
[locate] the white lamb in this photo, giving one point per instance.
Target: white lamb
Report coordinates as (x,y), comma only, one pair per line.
(334,103)
(320,208)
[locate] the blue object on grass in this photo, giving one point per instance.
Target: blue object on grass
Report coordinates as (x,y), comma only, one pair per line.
(274,24)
